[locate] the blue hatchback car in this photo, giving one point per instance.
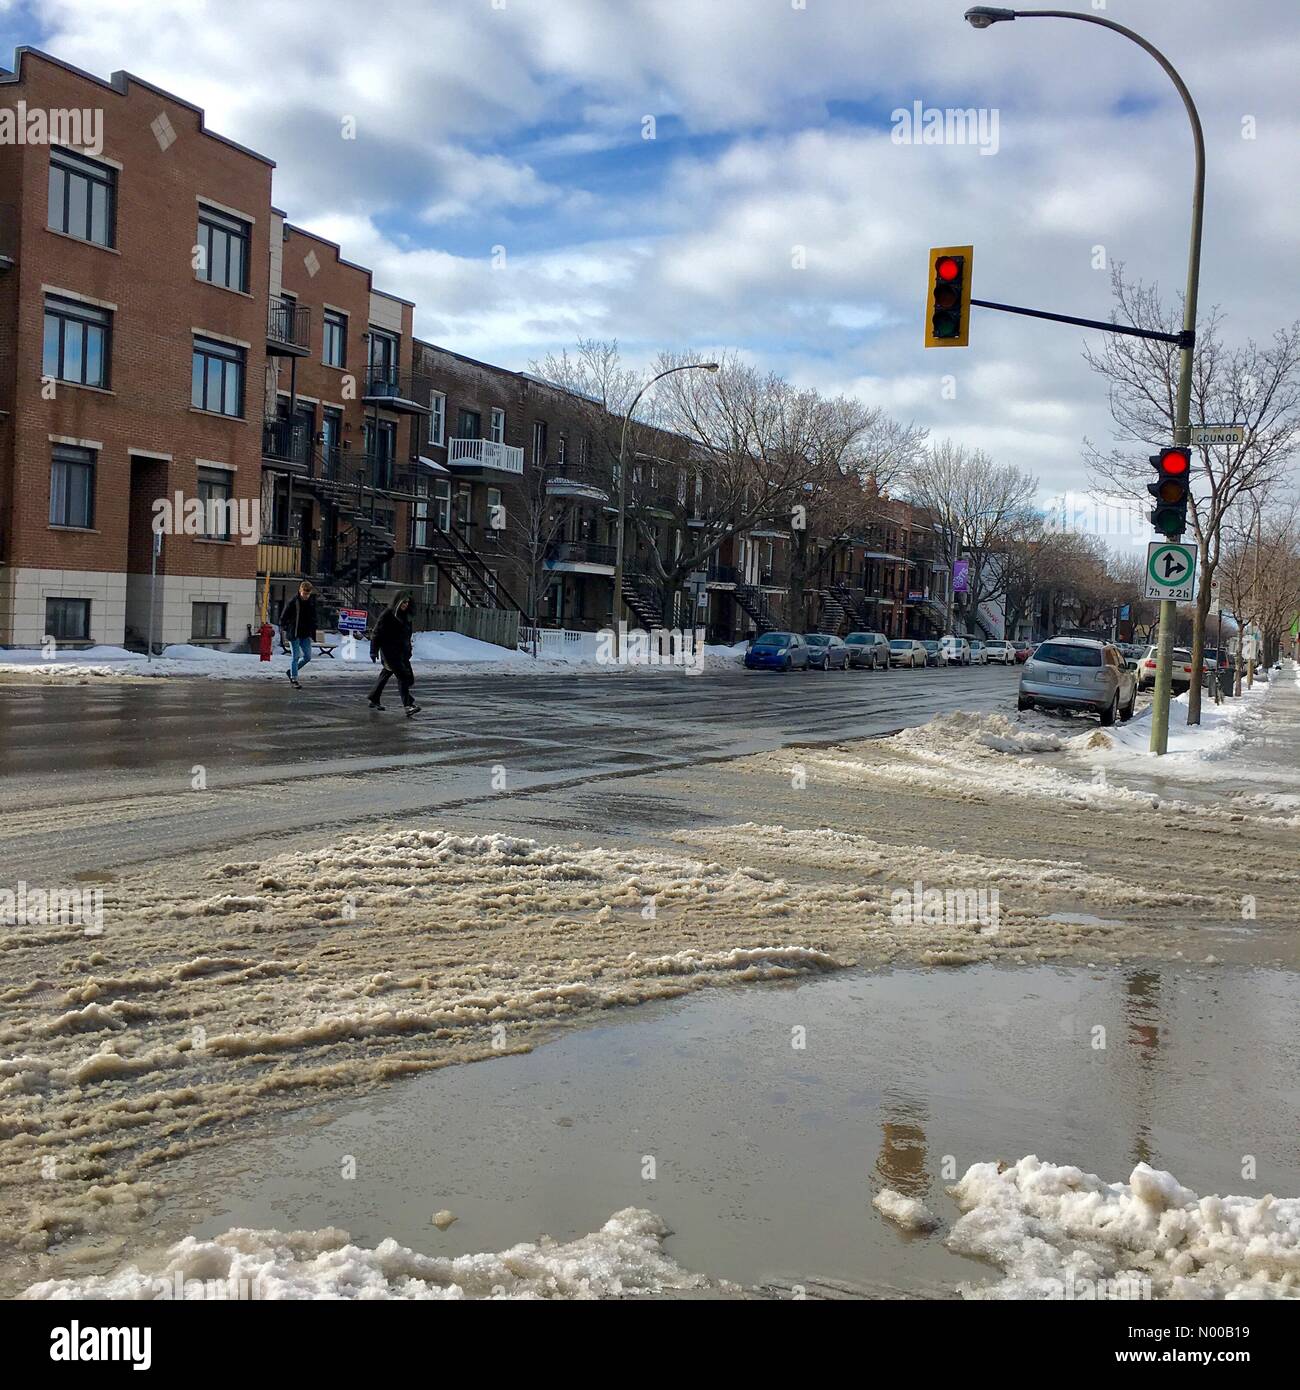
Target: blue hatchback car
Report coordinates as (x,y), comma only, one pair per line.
(777,651)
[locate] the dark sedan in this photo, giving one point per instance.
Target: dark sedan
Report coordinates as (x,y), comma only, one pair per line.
(778,651)
(826,653)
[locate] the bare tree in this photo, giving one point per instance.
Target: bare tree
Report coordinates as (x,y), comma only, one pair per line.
(976,504)
(1255,385)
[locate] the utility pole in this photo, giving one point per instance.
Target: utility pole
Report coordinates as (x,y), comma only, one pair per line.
(981,17)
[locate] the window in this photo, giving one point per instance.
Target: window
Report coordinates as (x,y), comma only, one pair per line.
(495,514)
(336,339)
(539,442)
(223,249)
(463,495)
(383,355)
(215,492)
(208,621)
(72,487)
(83,197)
(562,449)
(420,517)
(437,417)
(217,378)
(442,505)
(68,619)
(497,426)
(76,342)
(469,425)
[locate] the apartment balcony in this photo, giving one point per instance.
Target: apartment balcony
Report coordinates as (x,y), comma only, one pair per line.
(288,331)
(579,481)
(580,557)
(467,455)
(403,393)
(287,446)
(722,577)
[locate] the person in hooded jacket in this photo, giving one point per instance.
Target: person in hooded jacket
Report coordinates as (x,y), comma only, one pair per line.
(391,640)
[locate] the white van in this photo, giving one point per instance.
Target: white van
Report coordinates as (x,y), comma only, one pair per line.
(957,650)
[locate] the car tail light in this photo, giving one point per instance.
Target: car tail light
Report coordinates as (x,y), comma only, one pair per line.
(1150,665)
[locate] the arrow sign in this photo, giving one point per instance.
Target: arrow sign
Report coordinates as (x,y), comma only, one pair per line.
(1171,571)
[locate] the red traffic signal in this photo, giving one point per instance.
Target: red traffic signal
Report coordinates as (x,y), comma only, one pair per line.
(947,318)
(1171,490)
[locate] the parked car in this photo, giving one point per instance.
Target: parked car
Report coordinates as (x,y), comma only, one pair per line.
(978,655)
(826,653)
(958,649)
(934,654)
(1181,670)
(1023,650)
(1079,673)
(903,651)
(1004,652)
(777,651)
(868,649)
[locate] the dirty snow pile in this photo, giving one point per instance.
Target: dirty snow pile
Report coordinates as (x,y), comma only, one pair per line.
(1058,1232)
(625,1256)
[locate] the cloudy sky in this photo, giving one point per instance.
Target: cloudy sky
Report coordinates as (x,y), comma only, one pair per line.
(771,211)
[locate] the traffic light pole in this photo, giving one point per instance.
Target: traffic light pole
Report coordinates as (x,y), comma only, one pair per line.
(981,17)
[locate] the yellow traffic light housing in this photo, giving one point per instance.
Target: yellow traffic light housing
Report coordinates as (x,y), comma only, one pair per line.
(947,320)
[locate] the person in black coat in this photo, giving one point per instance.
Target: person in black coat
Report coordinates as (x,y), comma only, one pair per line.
(298,623)
(391,639)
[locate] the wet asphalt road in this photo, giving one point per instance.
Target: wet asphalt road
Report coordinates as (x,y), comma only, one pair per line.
(101,777)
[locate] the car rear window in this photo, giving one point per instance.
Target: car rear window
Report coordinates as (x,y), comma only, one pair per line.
(1182,654)
(1061,655)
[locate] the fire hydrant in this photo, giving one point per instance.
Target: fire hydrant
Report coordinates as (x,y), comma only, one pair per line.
(266,634)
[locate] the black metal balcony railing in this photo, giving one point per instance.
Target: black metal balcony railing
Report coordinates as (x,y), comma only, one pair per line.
(289,326)
(583,474)
(287,441)
(580,552)
(388,383)
(723,574)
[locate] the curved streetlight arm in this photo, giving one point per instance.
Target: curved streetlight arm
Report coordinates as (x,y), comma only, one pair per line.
(622,484)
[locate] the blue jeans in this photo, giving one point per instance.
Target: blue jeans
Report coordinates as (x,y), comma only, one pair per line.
(299,654)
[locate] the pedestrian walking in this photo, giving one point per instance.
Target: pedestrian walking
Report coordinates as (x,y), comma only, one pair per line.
(298,623)
(391,640)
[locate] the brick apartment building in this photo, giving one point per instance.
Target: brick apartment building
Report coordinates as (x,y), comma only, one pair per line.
(165,331)
(126,371)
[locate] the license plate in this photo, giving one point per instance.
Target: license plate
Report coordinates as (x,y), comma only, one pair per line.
(1063,680)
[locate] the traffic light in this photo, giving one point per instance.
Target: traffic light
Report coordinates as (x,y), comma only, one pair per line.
(1170,490)
(947,321)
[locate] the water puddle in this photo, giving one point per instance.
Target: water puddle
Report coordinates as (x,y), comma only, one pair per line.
(760,1122)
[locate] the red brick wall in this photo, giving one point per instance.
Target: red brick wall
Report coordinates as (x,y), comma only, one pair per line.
(159,301)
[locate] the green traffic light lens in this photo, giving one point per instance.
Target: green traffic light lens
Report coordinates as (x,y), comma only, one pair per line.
(947,325)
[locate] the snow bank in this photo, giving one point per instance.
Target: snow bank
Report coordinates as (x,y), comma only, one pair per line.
(1058,1232)
(905,1212)
(1222,727)
(455,646)
(625,1256)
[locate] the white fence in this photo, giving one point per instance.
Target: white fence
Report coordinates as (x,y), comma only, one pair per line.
(559,643)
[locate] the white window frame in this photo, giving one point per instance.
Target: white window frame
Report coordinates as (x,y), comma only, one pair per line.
(497,425)
(437,417)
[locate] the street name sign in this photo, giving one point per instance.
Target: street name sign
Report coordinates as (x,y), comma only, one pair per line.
(1218,434)
(1171,571)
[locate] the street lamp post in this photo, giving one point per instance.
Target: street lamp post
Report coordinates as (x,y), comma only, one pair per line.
(622,486)
(981,17)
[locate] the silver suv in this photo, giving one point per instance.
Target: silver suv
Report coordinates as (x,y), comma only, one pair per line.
(1079,673)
